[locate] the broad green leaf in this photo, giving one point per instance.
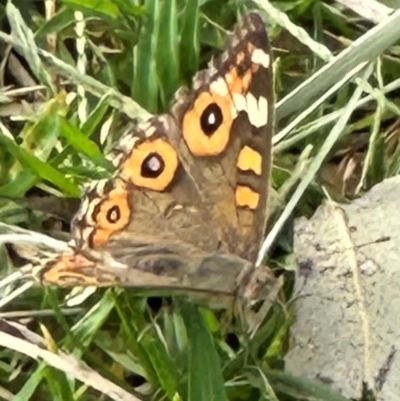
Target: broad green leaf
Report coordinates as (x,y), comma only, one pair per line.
(205,381)
(145,82)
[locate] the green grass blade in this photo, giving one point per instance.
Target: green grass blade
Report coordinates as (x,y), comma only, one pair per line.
(60,21)
(42,169)
(123,103)
(80,142)
(190,42)
(168,52)
(88,326)
(145,82)
(149,350)
(104,8)
(96,116)
(206,382)
(303,389)
(30,386)
(58,385)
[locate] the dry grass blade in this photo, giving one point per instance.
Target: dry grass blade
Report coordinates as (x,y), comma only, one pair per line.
(20,235)
(301,34)
(293,124)
(365,48)
(61,361)
(29,50)
(369,9)
(121,102)
(281,144)
(313,168)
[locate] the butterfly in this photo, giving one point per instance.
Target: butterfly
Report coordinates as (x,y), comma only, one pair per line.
(187,206)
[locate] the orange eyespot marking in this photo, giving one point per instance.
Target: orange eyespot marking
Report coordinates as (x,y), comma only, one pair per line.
(151,165)
(70,270)
(246,197)
(206,126)
(249,159)
(113,215)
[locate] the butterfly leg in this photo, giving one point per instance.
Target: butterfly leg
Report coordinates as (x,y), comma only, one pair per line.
(256,294)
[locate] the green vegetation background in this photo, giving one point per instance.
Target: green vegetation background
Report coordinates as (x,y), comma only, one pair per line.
(72,74)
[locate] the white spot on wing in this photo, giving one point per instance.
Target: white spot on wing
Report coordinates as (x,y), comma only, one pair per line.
(150,131)
(263,110)
(116,159)
(252,109)
(260,57)
(257,110)
(82,209)
(219,86)
(239,102)
(144,126)
(126,143)
(86,233)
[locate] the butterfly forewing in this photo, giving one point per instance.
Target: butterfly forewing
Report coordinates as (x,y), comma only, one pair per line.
(225,137)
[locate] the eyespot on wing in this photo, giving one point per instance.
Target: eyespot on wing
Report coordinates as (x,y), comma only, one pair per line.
(112,214)
(206,126)
(152,164)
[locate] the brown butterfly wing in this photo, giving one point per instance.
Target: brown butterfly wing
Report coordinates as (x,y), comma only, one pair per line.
(225,138)
(200,174)
(151,200)
(185,186)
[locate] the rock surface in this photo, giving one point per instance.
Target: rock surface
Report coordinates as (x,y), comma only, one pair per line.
(347,330)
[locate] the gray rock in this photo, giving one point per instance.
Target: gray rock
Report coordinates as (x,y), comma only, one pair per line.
(347,330)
